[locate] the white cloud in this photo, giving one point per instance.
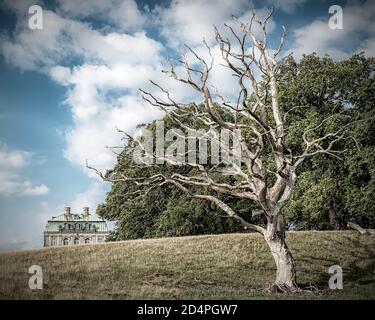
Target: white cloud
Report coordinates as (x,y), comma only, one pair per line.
(103,90)
(191,21)
(102,98)
(90,198)
(124,14)
(187,22)
(28,189)
(339,44)
(60,74)
(63,40)
(12,183)
(105,95)
(13,158)
(368,47)
(89,138)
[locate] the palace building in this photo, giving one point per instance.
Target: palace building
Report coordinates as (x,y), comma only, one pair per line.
(72,229)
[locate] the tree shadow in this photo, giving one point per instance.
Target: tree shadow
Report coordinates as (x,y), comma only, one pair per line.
(359,270)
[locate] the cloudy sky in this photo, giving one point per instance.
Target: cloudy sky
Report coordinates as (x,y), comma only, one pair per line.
(64,88)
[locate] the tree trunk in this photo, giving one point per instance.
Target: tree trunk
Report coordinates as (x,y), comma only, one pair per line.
(286,278)
(332,212)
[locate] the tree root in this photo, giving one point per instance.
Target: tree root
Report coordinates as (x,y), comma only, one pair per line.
(284,288)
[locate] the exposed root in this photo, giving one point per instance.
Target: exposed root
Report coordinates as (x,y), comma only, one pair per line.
(284,288)
(311,288)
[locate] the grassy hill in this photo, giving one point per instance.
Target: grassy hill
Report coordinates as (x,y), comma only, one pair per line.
(232,266)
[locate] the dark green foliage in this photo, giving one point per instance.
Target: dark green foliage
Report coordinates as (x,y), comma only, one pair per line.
(330,192)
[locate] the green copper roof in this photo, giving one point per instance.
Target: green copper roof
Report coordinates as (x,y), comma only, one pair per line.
(76,223)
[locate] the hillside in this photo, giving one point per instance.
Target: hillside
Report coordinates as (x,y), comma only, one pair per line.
(233,266)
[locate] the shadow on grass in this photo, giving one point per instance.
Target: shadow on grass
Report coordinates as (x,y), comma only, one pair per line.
(358,270)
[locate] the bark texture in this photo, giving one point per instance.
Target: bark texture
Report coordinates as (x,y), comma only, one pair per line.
(286,276)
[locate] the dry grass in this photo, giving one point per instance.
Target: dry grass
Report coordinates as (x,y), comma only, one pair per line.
(232,266)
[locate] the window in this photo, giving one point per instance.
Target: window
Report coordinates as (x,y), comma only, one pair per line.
(76,240)
(65,241)
(53,241)
(87,240)
(100,239)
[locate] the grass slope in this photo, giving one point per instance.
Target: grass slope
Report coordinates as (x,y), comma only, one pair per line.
(232,266)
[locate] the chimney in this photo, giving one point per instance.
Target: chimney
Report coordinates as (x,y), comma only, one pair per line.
(86,211)
(67,211)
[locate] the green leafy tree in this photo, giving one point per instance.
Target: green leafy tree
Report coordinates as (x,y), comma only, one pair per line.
(333,191)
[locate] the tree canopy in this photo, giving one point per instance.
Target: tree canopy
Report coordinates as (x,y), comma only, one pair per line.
(330,191)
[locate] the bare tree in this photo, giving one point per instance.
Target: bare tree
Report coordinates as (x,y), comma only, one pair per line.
(266,173)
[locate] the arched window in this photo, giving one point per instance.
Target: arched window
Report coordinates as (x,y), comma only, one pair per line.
(53,241)
(76,240)
(87,240)
(66,241)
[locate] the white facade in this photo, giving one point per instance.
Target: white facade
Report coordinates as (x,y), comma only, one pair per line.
(74,229)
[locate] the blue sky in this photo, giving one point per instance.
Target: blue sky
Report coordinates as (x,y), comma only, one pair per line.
(64,88)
